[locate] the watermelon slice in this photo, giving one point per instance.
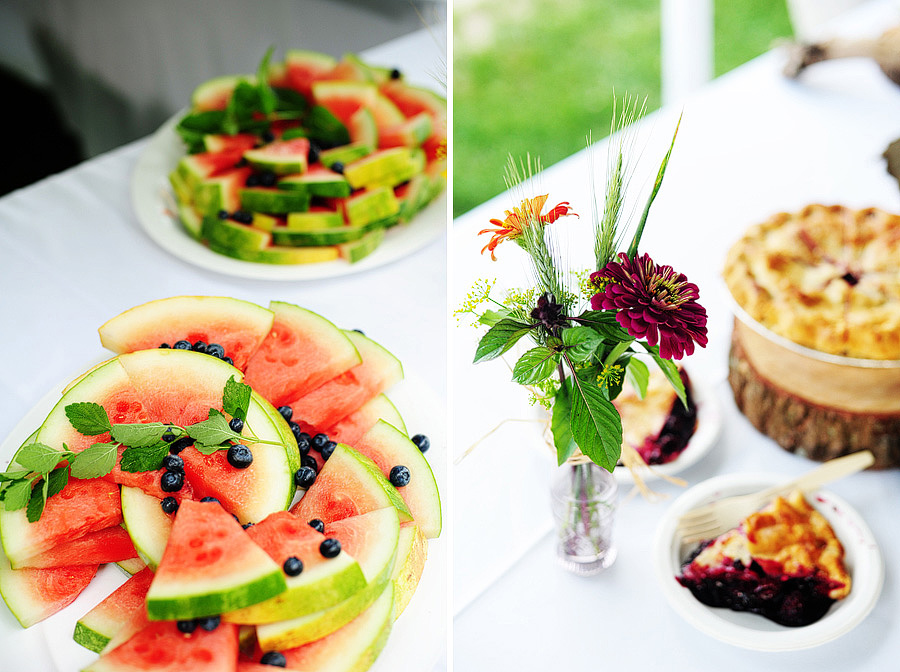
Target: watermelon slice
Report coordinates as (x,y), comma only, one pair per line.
(210,566)
(238,326)
(83,506)
(282,157)
(35,594)
(96,628)
(319,180)
(94,548)
(147,524)
(350,429)
(412,550)
(389,448)
(326,405)
(239,142)
(301,352)
(214,94)
(163,648)
(221,191)
(323,582)
(372,539)
(305,67)
(410,132)
(348,485)
(353,647)
(131,566)
(344,98)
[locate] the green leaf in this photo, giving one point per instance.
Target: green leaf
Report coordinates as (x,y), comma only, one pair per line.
(581,342)
(13,475)
(670,370)
(236,398)
(325,128)
(535,365)
(596,425)
(290,100)
(38,458)
(638,376)
(267,98)
(88,418)
(139,434)
(57,480)
(204,449)
(214,431)
(605,324)
(500,338)
(243,103)
(16,496)
(36,502)
(613,355)
(560,424)
(492,317)
(96,461)
(143,458)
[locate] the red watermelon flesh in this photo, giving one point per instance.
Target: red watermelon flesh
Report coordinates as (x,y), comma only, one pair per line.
(212,164)
(302,351)
(344,98)
(247,666)
(283,535)
(35,594)
(305,67)
(116,615)
(230,143)
(326,405)
(160,646)
(111,544)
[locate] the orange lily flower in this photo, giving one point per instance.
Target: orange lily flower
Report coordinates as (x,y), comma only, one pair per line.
(529,211)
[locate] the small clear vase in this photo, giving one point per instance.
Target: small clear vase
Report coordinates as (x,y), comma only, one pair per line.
(584,506)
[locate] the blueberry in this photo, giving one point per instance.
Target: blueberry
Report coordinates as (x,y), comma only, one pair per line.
(330,548)
(168,436)
(399,476)
(396,74)
(246,525)
(252,180)
(228,360)
(295,428)
(268,179)
(171,481)
(268,136)
(293,566)
(319,441)
(338,167)
(173,463)
(242,217)
(360,331)
(211,499)
(187,627)
(169,505)
(199,346)
(328,449)
(164,346)
(303,443)
(304,477)
(273,658)
(240,457)
(314,150)
(422,442)
(215,350)
(309,461)
(286,412)
(236,425)
(223,214)
(180,444)
(182,345)
(209,623)
(317,525)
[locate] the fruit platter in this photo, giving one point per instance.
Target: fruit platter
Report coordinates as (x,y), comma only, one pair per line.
(312,167)
(232,487)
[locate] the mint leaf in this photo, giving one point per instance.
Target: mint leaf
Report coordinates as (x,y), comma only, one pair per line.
(13,475)
(204,449)
(236,398)
(596,425)
(57,480)
(88,418)
(139,434)
(38,458)
(267,97)
(561,425)
(16,495)
(212,432)
(36,502)
(143,458)
(535,365)
(500,338)
(96,461)
(581,342)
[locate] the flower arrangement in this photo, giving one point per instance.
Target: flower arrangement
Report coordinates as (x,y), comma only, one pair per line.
(586,342)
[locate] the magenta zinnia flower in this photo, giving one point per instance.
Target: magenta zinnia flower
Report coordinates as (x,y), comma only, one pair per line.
(653,303)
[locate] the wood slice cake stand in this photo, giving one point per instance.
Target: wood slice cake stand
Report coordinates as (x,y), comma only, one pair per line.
(816,407)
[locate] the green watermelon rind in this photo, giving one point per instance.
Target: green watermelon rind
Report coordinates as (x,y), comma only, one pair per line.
(90,638)
(280,254)
(316,184)
(358,250)
(324,236)
(275,201)
(314,220)
(147,524)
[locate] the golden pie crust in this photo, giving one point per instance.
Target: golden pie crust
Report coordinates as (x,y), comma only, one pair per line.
(791,533)
(827,278)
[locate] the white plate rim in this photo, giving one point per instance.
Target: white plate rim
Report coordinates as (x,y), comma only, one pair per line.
(422,624)
(706,435)
(863,558)
(154,205)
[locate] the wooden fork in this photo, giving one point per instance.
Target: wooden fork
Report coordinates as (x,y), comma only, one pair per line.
(711,520)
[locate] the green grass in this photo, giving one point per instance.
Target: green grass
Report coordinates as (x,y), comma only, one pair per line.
(536,76)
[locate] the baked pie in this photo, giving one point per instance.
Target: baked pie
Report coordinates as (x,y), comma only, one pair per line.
(783,562)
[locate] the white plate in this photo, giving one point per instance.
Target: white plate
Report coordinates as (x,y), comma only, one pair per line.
(709,428)
(417,640)
(154,204)
(751,631)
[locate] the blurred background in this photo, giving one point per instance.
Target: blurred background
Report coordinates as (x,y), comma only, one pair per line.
(538,75)
(81,77)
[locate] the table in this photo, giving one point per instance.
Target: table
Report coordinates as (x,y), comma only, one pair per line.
(73,255)
(752,143)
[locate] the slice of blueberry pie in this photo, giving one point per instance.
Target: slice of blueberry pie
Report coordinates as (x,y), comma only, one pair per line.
(784,563)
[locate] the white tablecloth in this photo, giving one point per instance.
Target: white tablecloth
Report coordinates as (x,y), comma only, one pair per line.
(72,255)
(752,143)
